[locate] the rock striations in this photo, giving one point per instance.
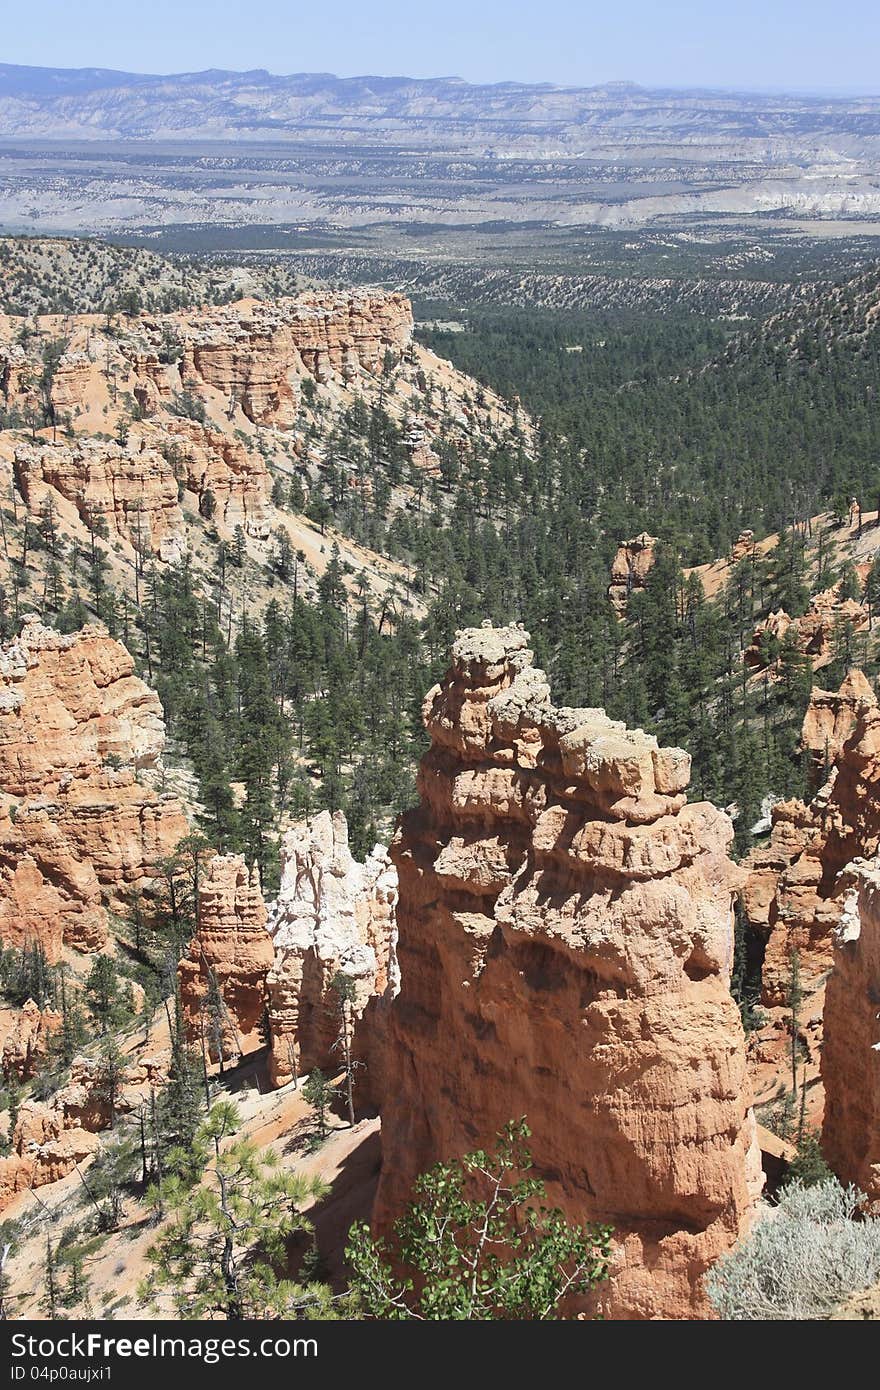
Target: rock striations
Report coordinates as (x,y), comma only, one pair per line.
(257,354)
(80,822)
(333,914)
(132,491)
(566,938)
(851,1050)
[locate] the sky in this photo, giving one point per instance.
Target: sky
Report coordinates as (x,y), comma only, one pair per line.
(781,45)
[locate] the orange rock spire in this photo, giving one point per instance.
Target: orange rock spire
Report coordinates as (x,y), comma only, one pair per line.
(565,944)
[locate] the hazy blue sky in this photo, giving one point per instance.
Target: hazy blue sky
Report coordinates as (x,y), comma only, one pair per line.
(791,44)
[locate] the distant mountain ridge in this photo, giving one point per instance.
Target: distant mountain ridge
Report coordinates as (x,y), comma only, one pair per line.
(98,103)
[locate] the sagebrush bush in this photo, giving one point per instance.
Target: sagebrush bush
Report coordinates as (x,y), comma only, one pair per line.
(804,1257)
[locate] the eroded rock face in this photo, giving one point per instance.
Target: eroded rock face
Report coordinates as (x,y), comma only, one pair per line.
(51,1137)
(69,381)
(851,1050)
(813,632)
(207,460)
(630,568)
(830,719)
(232,946)
(257,354)
(133,489)
(67,705)
(566,940)
(332,914)
(80,822)
(48,892)
(27,1044)
(792,893)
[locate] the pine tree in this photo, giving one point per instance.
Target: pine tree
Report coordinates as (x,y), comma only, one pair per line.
(102,992)
(344,988)
(52,1292)
(318,1092)
(223,1250)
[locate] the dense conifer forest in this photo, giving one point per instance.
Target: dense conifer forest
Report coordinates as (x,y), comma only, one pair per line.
(687,428)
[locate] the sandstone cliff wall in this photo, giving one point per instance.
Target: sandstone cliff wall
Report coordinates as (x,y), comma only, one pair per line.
(79,821)
(257,354)
(792,894)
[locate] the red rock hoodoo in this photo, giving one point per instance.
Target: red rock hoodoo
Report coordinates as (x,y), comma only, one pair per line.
(630,568)
(813,633)
(566,936)
(233,946)
(27,1044)
(851,1050)
(792,894)
(830,719)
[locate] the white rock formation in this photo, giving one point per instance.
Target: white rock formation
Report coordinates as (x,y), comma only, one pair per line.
(333,914)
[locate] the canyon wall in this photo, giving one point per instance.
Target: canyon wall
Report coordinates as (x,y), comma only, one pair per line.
(851,1050)
(80,822)
(133,489)
(132,492)
(257,354)
(566,939)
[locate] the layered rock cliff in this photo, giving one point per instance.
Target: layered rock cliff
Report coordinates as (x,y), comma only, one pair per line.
(132,492)
(206,460)
(133,489)
(851,1050)
(333,914)
(792,895)
(565,922)
(223,978)
(80,822)
(256,354)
